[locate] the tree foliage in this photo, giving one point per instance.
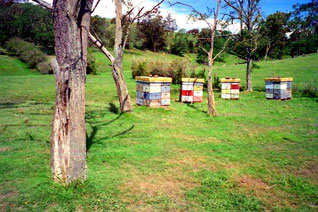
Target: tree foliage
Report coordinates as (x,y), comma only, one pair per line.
(29,22)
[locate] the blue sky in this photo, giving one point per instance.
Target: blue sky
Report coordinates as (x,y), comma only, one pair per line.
(268,6)
(106,9)
(180,12)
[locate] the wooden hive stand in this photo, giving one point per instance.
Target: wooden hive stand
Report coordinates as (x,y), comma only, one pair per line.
(230,88)
(153,91)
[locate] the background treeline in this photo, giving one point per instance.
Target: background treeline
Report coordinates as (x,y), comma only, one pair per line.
(282,34)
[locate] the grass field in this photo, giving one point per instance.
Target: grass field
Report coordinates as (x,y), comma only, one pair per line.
(256,155)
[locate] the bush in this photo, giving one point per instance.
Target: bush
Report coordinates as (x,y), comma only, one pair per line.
(91,63)
(176,69)
(32,57)
(25,51)
(45,67)
(180,68)
(216,82)
(158,67)
(139,68)
(310,90)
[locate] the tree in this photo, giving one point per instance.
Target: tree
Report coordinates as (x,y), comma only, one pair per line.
(119,46)
(274,32)
(181,43)
(304,28)
(153,30)
(249,15)
(17,20)
(68,139)
(204,39)
(210,50)
(105,29)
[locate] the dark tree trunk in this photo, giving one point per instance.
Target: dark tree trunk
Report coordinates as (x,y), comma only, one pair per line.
(117,71)
(249,73)
(68,139)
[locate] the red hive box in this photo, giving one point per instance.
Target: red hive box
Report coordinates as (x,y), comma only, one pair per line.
(230,88)
(191,90)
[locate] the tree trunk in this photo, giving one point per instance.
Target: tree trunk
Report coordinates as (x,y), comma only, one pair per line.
(211,100)
(267,50)
(117,71)
(68,139)
(249,73)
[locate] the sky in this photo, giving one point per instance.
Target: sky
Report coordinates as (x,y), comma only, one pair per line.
(106,9)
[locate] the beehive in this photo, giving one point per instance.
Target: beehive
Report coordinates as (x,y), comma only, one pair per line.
(230,88)
(191,90)
(278,88)
(153,91)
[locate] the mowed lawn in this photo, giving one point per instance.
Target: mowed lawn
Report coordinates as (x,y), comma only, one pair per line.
(256,155)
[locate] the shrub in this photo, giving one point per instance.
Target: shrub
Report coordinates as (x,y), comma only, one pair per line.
(157,67)
(216,82)
(32,57)
(25,51)
(175,69)
(310,90)
(139,68)
(179,69)
(91,62)
(45,67)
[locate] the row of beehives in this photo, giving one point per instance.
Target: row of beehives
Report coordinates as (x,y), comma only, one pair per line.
(155,91)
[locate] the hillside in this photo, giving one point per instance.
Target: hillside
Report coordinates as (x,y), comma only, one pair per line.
(303,69)
(256,155)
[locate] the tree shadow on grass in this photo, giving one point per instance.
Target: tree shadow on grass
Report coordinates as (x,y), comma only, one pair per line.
(90,139)
(193,106)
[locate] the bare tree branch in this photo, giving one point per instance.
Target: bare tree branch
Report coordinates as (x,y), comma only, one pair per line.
(44,4)
(224,46)
(202,16)
(101,46)
(95,6)
(140,14)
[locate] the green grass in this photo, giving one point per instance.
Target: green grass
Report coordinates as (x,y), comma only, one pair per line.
(255,155)
(10,66)
(304,70)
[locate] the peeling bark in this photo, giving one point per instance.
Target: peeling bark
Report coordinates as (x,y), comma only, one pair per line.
(117,71)
(68,139)
(211,100)
(249,86)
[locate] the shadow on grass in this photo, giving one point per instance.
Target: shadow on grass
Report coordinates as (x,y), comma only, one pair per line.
(21,104)
(193,106)
(90,139)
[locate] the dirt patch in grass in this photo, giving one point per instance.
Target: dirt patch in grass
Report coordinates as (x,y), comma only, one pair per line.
(196,139)
(253,184)
(269,194)
(4,149)
(5,196)
(165,190)
(309,170)
(189,160)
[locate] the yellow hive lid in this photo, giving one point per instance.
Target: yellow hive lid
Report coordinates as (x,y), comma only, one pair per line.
(192,80)
(279,79)
(153,79)
(228,79)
